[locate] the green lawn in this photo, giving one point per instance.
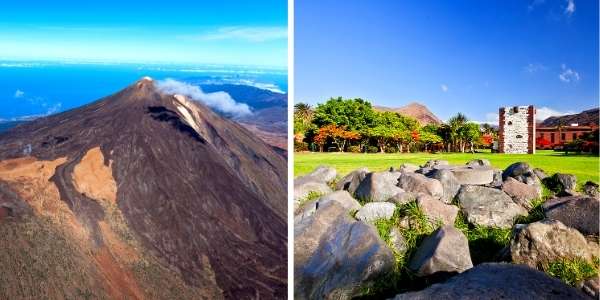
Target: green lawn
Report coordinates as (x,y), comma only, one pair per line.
(585,167)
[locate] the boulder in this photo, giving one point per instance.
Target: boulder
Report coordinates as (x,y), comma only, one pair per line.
(581,213)
(591,287)
(403,198)
(349,258)
(435,162)
(373,211)
(541,175)
(378,186)
(437,211)
(479,163)
(498,281)
(487,206)
(519,171)
(497,179)
(540,243)
(470,175)
(397,241)
(445,250)
(351,181)
(303,189)
(520,192)
(562,184)
(406,167)
(591,189)
(450,184)
(322,174)
(418,183)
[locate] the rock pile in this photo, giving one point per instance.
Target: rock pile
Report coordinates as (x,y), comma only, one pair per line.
(349,241)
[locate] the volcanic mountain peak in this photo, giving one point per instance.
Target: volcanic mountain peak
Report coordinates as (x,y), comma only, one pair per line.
(201,200)
(415,110)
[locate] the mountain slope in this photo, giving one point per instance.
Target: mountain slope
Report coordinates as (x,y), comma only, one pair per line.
(139,186)
(583,118)
(415,110)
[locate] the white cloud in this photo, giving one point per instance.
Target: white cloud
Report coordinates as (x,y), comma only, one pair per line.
(19,94)
(568,74)
(534,67)
(570,9)
(490,118)
(542,113)
(220,101)
(444,88)
(251,34)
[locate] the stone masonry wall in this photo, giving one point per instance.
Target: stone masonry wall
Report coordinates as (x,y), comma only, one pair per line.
(517,130)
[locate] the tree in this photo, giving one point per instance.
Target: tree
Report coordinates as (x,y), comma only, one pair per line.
(469,133)
(428,135)
(303,117)
(353,114)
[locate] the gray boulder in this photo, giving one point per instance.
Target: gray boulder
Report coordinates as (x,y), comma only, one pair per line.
(591,189)
(479,163)
(591,287)
(562,184)
(541,175)
(437,211)
(488,206)
(540,243)
(403,198)
(406,167)
(498,281)
(520,192)
(497,179)
(449,183)
(321,174)
(519,171)
(303,189)
(581,213)
(418,183)
(348,259)
(435,162)
(351,181)
(378,186)
(397,241)
(445,250)
(473,175)
(373,211)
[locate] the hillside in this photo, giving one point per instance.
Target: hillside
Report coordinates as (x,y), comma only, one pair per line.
(141,195)
(590,116)
(415,110)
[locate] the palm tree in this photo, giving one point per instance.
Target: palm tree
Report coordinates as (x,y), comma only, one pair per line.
(303,111)
(457,123)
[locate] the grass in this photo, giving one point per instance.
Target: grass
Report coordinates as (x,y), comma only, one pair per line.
(485,243)
(401,278)
(573,272)
(585,167)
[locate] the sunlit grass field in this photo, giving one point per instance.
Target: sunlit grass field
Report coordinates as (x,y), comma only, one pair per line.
(585,167)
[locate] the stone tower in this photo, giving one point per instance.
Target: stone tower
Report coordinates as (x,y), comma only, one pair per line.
(517,130)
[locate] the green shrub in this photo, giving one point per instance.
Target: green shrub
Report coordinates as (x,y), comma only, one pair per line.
(354,149)
(574,271)
(372,149)
(299,147)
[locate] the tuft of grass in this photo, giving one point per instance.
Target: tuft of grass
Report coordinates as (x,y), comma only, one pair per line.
(484,242)
(312,195)
(573,271)
(401,279)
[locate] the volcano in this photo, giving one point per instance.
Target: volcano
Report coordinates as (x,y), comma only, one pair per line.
(141,195)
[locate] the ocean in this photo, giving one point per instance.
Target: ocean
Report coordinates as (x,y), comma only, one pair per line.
(34,89)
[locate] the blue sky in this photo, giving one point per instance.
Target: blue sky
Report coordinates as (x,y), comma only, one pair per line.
(204,32)
(467,56)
